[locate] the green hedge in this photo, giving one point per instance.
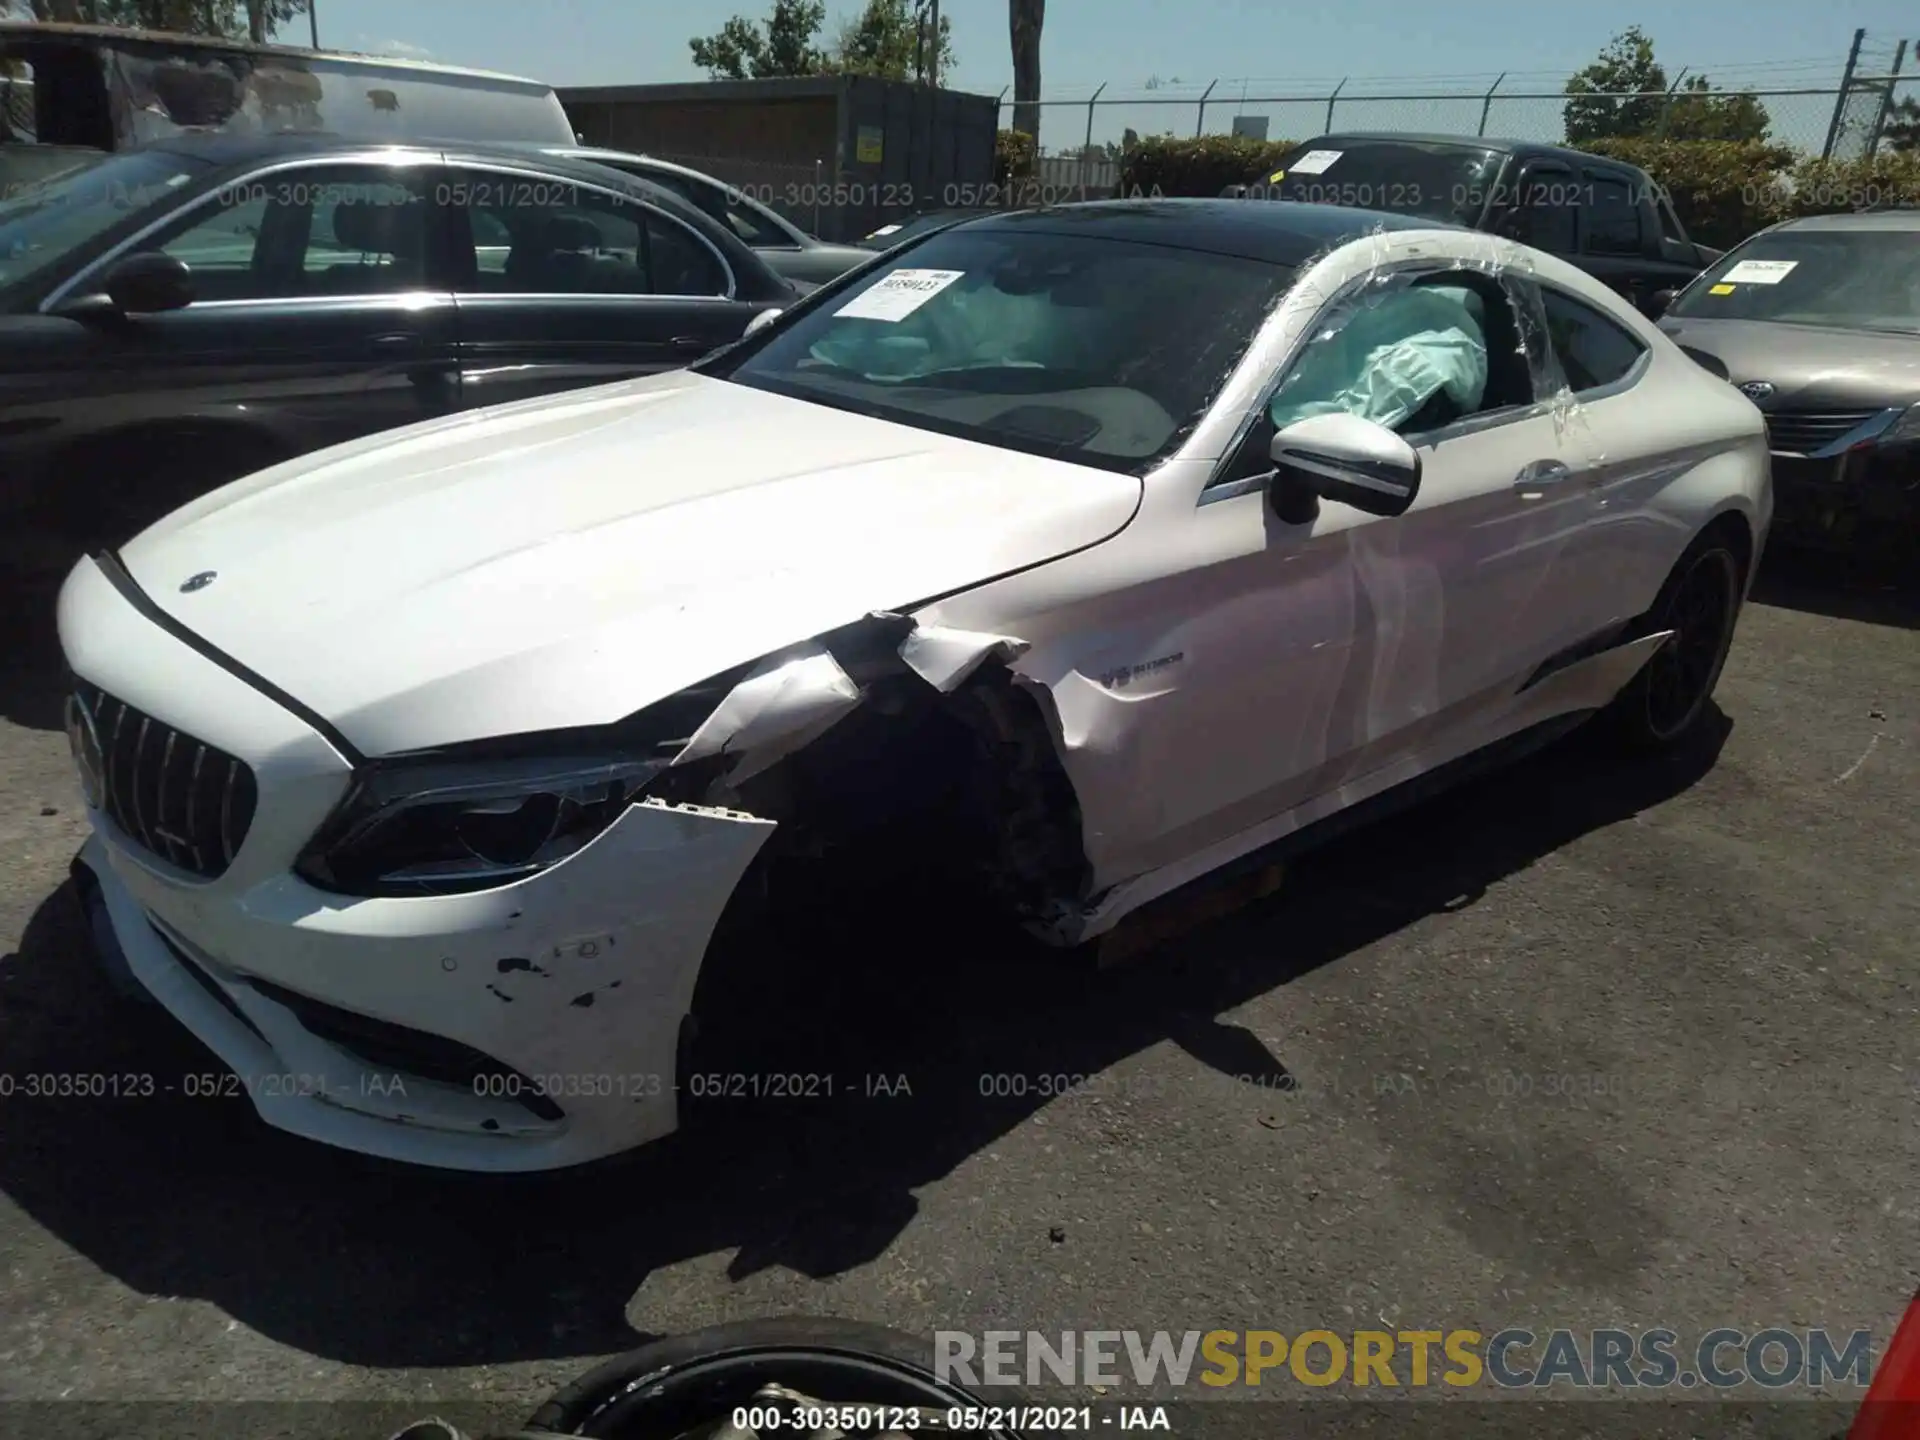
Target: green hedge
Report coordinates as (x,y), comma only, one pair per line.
(1722,190)
(1202,165)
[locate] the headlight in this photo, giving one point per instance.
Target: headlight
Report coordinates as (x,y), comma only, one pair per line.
(444,828)
(1904,430)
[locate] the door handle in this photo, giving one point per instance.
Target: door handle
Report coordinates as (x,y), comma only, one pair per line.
(400,340)
(691,342)
(1542,473)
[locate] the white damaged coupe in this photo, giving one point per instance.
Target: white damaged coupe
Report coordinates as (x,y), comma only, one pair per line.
(441,755)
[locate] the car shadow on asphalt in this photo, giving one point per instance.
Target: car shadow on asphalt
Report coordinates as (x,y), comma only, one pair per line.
(1884,590)
(32,672)
(373,1264)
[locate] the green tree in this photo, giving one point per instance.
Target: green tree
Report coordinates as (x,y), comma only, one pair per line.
(883,39)
(785,44)
(886,40)
(1624,93)
(1902,132)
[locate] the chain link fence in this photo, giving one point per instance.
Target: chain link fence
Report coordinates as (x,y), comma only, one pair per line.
(1082,137)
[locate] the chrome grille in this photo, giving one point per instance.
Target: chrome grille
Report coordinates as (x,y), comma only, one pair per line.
(183,800)
(1801,432)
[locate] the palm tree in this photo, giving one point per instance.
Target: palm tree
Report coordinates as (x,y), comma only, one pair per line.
(1024,18)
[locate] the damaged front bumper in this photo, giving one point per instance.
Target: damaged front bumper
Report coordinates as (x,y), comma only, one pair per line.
(528,1026)
(525,1028)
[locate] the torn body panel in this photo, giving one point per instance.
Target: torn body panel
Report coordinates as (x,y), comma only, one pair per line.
(1582,686)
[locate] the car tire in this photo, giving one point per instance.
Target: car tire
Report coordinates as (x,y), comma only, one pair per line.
(652,1390)
(1666,702)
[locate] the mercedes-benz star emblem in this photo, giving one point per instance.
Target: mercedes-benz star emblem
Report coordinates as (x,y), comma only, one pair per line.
(197,582)
(1756,389)
(84,740)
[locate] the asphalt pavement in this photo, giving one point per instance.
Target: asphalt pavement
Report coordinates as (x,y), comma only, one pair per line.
(1589,1042)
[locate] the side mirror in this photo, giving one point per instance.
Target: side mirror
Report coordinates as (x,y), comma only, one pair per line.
(149,283)
(760,322)
(1658,302)
(1344,458)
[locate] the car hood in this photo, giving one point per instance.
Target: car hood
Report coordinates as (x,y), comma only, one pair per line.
(568,560)
(1810,367)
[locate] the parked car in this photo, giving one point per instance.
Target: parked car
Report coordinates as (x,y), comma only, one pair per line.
(107,88)
(1609,218)
(443,756)
(887,237)
(787,249)
(178,315)
(1817,321)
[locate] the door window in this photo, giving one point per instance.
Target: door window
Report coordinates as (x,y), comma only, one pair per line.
(1593,350)
(1613,218)
(726,205)
(1543,216)
(292,234)
(1414,360)
(532,237)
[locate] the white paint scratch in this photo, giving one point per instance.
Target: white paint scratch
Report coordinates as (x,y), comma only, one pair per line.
(1854,768)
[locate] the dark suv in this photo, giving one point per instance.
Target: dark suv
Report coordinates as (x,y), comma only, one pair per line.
(1605,216)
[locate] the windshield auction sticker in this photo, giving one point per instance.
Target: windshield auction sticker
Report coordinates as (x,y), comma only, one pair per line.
(1315,162)
(898,295)
(1758,272)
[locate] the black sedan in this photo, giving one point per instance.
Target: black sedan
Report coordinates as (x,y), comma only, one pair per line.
(804,259)
(177,316)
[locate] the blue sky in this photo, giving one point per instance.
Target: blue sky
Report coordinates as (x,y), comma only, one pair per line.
(1252,49)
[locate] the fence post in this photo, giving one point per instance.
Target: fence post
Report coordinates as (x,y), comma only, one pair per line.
(1086,151)
(1886,100)
(1486,102)
(1666,104)
(1200,125)
(1330,103)
(1840,100)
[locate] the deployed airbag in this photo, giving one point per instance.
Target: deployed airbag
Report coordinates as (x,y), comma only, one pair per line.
(1388,360)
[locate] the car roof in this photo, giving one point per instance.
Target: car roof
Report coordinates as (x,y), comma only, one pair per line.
(1476,142)
(1289,234)
(602,153)
(227,147)
(1897,220)
(224,152)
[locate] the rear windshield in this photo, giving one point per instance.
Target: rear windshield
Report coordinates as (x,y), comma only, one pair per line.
(1056,344)
(1851,279)
(1433,180)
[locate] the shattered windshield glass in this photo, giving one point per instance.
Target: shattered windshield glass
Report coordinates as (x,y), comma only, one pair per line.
(1102,351)
(1866,279)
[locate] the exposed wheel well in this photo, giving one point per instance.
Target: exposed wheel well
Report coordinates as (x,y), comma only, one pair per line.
(915,810)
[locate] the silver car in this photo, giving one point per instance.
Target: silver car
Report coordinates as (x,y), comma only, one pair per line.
(1817,321)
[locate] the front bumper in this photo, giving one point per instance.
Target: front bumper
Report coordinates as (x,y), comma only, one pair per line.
(1834,496)
(524,1028)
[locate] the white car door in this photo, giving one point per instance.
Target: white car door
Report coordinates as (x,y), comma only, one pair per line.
(1315,654)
